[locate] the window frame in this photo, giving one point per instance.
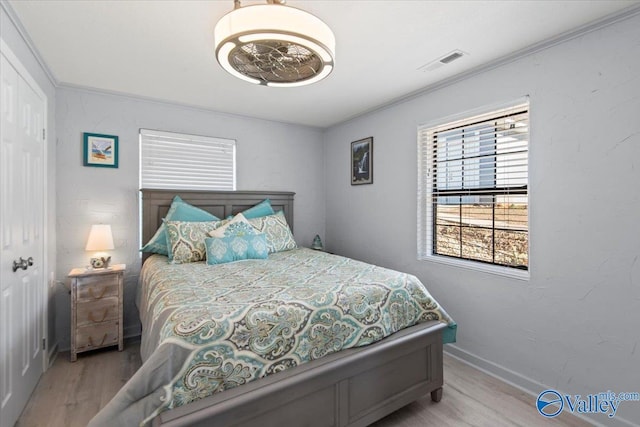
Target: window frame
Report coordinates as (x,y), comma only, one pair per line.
(426,227)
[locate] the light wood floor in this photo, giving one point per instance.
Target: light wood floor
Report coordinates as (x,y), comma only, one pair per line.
(70,394)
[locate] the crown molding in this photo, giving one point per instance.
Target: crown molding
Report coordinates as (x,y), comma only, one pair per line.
(165,102)
(606,21)
(13,17)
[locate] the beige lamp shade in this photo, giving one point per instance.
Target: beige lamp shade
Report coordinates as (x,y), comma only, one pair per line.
(100,238)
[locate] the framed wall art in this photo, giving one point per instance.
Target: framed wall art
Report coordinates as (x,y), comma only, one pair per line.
(362,161)
(100,150)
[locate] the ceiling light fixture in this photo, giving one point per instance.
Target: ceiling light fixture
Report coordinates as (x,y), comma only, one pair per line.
(275,45)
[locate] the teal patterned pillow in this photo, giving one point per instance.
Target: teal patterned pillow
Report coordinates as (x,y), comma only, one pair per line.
(261,209)
(186,240)
(277,231)
(221,250)
(179,211)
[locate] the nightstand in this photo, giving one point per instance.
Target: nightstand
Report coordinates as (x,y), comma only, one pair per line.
(96,308)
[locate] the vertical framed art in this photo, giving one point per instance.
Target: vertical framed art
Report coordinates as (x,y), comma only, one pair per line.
(99,150)
(362,161)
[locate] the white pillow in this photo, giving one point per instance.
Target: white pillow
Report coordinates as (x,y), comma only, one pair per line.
(237,226)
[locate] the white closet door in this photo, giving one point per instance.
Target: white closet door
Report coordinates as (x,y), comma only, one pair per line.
(21,238)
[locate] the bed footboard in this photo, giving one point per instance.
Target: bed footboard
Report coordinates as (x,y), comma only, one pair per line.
(351,388)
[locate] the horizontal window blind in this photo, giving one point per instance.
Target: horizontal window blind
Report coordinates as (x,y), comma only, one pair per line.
(473,188)
(171,160)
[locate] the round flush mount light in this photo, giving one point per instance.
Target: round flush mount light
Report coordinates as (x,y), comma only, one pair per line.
(275,45)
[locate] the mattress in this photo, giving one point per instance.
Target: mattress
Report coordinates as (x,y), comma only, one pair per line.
(207,328)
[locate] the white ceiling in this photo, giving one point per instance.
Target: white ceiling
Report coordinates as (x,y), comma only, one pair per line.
(164,50)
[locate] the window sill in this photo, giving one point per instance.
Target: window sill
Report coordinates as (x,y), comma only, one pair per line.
(478,266)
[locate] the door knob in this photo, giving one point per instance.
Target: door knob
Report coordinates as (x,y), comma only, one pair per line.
(23,264)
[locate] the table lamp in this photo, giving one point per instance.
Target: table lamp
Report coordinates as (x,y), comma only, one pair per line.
(100,240)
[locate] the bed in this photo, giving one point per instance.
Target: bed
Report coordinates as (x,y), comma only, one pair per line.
(351,387)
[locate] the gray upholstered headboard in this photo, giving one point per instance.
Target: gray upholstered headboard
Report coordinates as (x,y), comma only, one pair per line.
(156,203)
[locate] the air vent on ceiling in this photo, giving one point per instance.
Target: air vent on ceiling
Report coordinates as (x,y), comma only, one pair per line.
(444,60)
(451,57)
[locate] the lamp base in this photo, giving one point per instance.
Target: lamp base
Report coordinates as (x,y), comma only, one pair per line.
(100,262)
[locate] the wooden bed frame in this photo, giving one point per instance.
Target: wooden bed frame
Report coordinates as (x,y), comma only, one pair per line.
(354,387)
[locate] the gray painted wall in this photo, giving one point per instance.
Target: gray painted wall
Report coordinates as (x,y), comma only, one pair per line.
(574,325)
(13,38)
(269,156)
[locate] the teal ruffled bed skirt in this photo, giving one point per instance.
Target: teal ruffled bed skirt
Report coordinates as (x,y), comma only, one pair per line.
(449,334)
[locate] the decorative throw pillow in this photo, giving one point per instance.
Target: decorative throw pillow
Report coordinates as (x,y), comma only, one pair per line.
(277,231)
(261,209)
(237,226)
(186,240)
(179,211)
(221,250)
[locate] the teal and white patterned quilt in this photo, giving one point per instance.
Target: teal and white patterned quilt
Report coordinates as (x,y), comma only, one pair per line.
(211,328)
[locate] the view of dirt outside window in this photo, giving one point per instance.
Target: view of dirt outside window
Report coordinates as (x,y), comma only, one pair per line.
(490,233)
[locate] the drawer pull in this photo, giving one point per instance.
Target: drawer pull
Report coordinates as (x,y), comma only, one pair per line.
(104,291)
(104,316)
(101,342)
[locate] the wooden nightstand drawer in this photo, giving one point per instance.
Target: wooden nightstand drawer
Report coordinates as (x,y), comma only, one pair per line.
(96,287)
(102,310)
(96,308)
(96,336)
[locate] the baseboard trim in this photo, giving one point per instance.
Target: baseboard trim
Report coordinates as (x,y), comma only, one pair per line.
(521,382)
(52,355)
(131,331)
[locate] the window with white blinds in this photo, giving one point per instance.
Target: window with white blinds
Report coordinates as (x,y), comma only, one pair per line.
(473,188)
(170,160)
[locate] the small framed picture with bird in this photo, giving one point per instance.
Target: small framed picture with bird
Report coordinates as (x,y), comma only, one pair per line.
(100,150)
